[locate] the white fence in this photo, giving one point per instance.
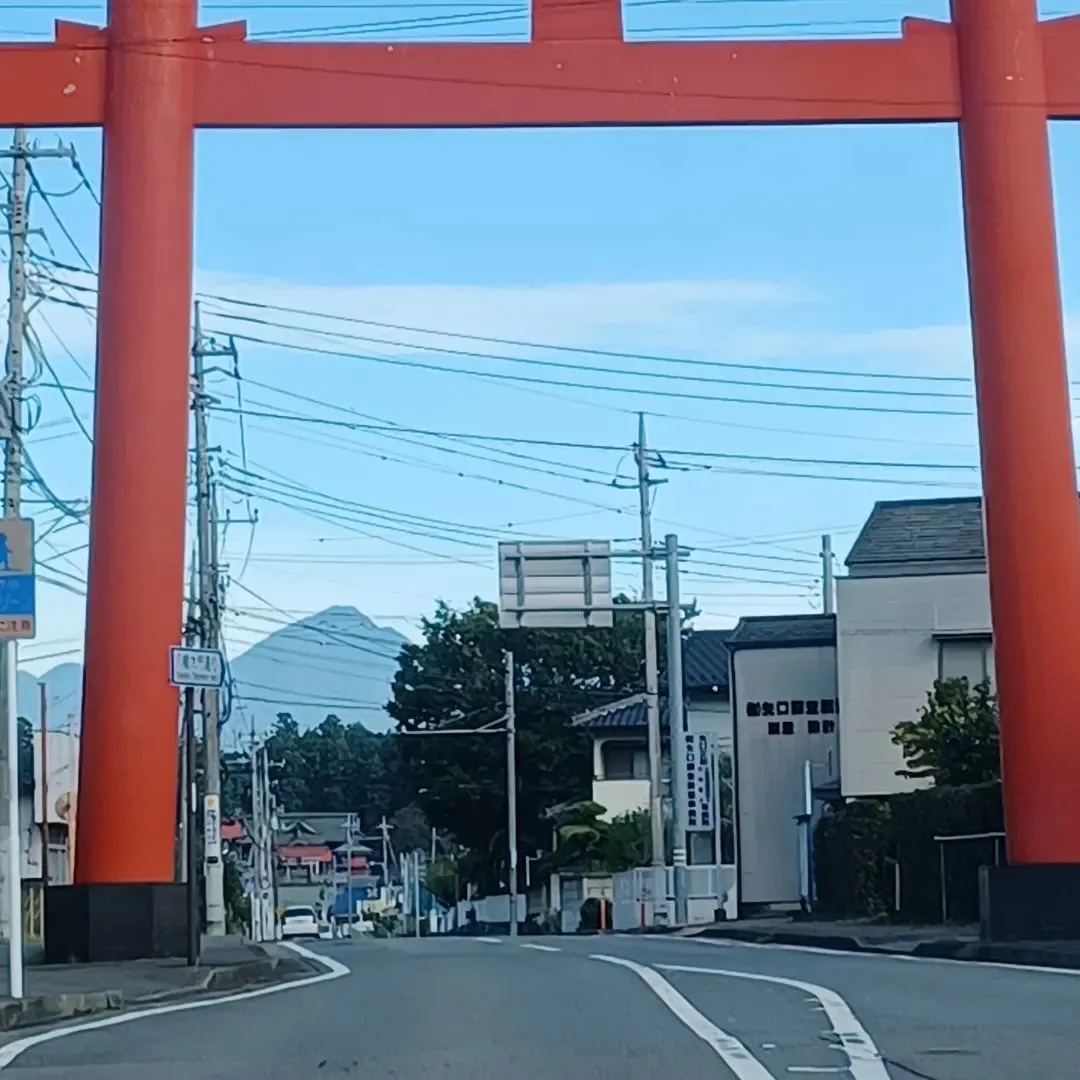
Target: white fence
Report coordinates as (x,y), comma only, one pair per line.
(646,896)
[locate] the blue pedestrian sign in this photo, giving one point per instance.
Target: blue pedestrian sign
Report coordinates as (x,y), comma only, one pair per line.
(18,606)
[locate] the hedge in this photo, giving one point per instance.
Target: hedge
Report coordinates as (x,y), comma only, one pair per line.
(859,847)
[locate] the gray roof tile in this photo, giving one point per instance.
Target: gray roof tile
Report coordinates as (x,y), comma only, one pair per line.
(921,531)
(705,660)
(764,630)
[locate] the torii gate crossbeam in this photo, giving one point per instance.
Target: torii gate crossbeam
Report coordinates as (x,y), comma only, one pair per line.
(153,76)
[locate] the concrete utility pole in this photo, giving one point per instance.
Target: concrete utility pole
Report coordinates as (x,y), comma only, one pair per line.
(511,790)
(652,664)
(828,583)
(210,628)
(676,725)
(20,154)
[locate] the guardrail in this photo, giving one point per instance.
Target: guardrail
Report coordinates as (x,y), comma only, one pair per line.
(959,859)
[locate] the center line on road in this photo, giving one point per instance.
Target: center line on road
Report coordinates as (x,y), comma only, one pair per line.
(866,1061)
(540,948)
(729,1049)
(490,940)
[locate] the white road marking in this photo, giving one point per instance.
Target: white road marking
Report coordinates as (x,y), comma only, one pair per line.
(855,1041)
(540,948)
(817,950)
(334,970)
(731,1051)
(489,940)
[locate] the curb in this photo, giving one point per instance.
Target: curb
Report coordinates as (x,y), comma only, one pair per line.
(53,1008)
(939,949)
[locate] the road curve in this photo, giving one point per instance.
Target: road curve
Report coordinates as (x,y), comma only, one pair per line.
(609,1008)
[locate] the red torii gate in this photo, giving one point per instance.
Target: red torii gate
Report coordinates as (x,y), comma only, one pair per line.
(153,76)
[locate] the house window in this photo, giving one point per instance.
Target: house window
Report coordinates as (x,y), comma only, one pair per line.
(966,658)
(625,761)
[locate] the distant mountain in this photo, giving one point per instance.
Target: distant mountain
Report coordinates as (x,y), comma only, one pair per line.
(337,661)
(63,686)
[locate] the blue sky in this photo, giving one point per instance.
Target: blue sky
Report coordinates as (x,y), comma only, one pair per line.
(830,248)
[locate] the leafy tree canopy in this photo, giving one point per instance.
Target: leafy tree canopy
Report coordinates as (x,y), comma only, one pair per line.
(955,738)
(333,768)
(455,678)
(586,842)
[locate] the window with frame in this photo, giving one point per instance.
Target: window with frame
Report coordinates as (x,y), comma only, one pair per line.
(625,761)
(966,658)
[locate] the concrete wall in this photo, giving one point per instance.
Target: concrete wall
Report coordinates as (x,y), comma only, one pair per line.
(895,635)
(621,796)
(786,715)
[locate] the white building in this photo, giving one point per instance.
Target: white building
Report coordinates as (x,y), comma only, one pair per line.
(805,709)
(620,747)
(914,607)
(784,688)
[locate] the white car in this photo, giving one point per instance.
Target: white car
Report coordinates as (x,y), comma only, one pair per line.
(299,922)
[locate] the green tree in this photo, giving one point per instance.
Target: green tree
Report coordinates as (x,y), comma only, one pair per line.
(334,767)
(455,678)
(586,841)
(955,738)
(411,829)
(443,880)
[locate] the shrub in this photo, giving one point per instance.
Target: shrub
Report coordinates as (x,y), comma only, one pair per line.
(590,914)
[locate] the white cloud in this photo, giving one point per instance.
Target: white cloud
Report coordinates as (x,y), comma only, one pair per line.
(737,320)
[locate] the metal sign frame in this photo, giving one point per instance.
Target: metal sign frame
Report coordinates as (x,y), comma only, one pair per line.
(563,585)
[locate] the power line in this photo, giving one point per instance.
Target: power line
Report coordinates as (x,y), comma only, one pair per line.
(576,349)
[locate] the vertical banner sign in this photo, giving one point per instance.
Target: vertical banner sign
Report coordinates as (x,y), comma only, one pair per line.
(212,828)
(699,761)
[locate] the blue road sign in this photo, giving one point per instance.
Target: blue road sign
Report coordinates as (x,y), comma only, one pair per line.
(18,600)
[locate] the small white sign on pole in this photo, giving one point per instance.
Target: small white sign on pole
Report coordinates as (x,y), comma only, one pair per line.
(196,667)
(212,829)
(555,586)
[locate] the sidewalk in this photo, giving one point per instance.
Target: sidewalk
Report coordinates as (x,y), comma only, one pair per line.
(947,942)
(59,992)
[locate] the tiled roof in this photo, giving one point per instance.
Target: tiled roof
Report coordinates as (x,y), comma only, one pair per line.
(705,660)
(764,630)
(921,531)
(628,713)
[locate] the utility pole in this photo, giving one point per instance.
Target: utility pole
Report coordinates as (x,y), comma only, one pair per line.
(652,664)
(210,628)
(677,725)
(828,583)
(511,790)
(20,154)
(186,770)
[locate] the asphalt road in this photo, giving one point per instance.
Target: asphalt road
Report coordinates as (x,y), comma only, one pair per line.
(604,1008)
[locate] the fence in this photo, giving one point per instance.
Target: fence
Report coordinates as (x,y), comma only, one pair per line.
(959,859)
(646,896)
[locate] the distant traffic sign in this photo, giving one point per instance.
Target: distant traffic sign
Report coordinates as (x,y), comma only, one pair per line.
(17,592)
(195,667)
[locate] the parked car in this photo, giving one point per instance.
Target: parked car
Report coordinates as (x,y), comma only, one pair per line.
(299,922)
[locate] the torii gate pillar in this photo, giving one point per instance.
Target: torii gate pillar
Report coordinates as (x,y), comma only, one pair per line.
(153,77)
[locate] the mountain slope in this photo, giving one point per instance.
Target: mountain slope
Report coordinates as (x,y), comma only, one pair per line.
(337,661)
